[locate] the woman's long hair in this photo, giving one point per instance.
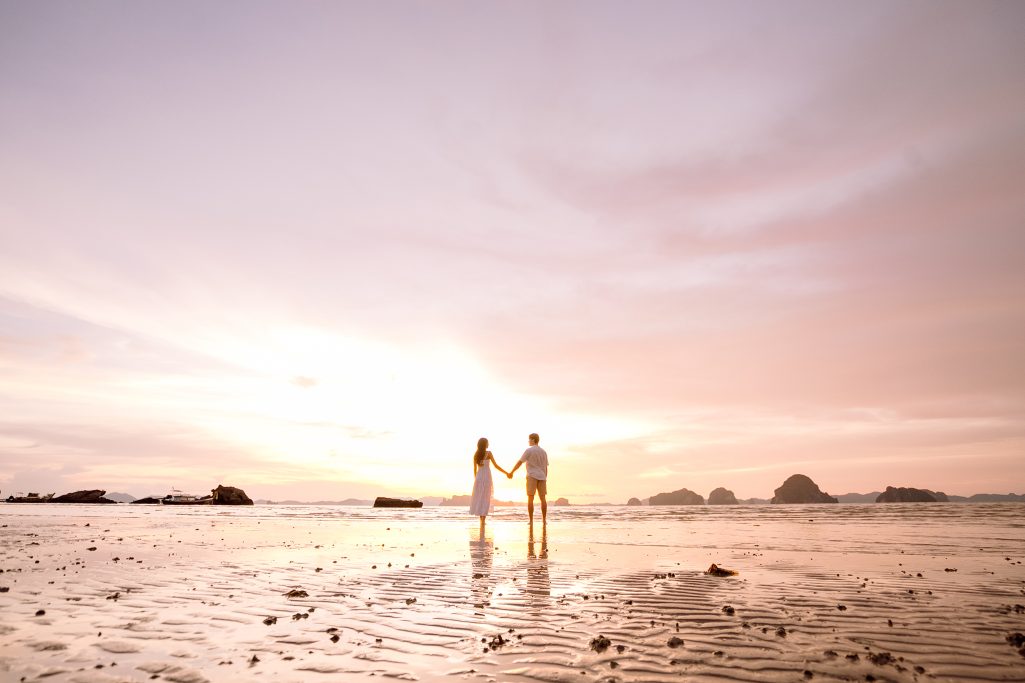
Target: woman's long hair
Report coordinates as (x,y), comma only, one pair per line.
(482,451)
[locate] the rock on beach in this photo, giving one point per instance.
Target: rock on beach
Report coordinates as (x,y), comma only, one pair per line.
(382,502)
(800,489)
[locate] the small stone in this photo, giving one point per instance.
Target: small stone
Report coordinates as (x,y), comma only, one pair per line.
(781,632)
(674,642)
(728,610)
(842,608)
(716,570)
(269,621)
(600,644)
(40,612)
(881,658)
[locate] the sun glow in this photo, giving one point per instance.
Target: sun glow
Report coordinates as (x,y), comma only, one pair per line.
(358,410)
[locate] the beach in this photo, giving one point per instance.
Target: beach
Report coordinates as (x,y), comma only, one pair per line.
(900,592)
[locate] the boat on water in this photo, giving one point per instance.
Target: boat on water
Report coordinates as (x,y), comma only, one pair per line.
(30,498)
(176,497)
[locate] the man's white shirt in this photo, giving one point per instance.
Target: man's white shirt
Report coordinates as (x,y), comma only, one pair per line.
(537,462)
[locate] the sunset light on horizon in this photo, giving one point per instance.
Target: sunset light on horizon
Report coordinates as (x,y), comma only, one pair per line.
(316,251)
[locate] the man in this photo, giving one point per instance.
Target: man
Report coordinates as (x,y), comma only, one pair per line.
(537,477)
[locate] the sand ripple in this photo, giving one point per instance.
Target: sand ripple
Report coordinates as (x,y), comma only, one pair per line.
(437,601)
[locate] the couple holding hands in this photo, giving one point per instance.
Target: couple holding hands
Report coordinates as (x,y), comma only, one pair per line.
(537,478)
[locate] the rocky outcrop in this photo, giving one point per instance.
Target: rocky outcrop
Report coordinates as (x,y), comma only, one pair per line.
(722,496)
(561,501)
(31,498)
(92,497)
(382,502)
(906,495)
(799,490)
(634,501)
(149,500)
(681,497)
(229,495)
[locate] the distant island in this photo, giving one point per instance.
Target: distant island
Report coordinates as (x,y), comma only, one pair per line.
(799,489)
(222,495)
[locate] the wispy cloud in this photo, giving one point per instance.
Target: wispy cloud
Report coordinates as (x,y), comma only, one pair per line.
(697,242)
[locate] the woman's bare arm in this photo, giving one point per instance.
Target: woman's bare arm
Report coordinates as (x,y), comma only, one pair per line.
(497,466)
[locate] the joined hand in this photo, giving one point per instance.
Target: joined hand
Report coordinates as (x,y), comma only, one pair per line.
(509,474)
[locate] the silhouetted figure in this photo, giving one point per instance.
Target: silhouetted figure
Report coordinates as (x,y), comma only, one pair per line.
(537,477)
(483,485)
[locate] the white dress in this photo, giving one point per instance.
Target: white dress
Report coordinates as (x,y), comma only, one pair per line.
(483,488)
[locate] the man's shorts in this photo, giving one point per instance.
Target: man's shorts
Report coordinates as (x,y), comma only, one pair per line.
(538,485)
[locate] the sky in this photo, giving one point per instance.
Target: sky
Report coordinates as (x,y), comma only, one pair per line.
(316,250)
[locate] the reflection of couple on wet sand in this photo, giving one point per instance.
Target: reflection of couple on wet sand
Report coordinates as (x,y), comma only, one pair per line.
(536,460)
(482,552)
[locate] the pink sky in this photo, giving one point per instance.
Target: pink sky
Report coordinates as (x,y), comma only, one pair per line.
(317,250)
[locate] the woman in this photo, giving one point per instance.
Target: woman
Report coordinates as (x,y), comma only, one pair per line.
(483,487)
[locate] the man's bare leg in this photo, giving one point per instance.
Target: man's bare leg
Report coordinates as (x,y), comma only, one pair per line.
(530,509)
(544,508)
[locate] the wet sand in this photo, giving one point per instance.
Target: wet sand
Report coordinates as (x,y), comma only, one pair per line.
(886,593)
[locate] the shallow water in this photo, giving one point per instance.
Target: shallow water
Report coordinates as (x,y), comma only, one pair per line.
(181,593)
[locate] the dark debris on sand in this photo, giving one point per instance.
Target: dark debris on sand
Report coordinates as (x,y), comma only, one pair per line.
(600,644)
(497,641)
(1017,640)
(674,642)
(716,570)
(297,593)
